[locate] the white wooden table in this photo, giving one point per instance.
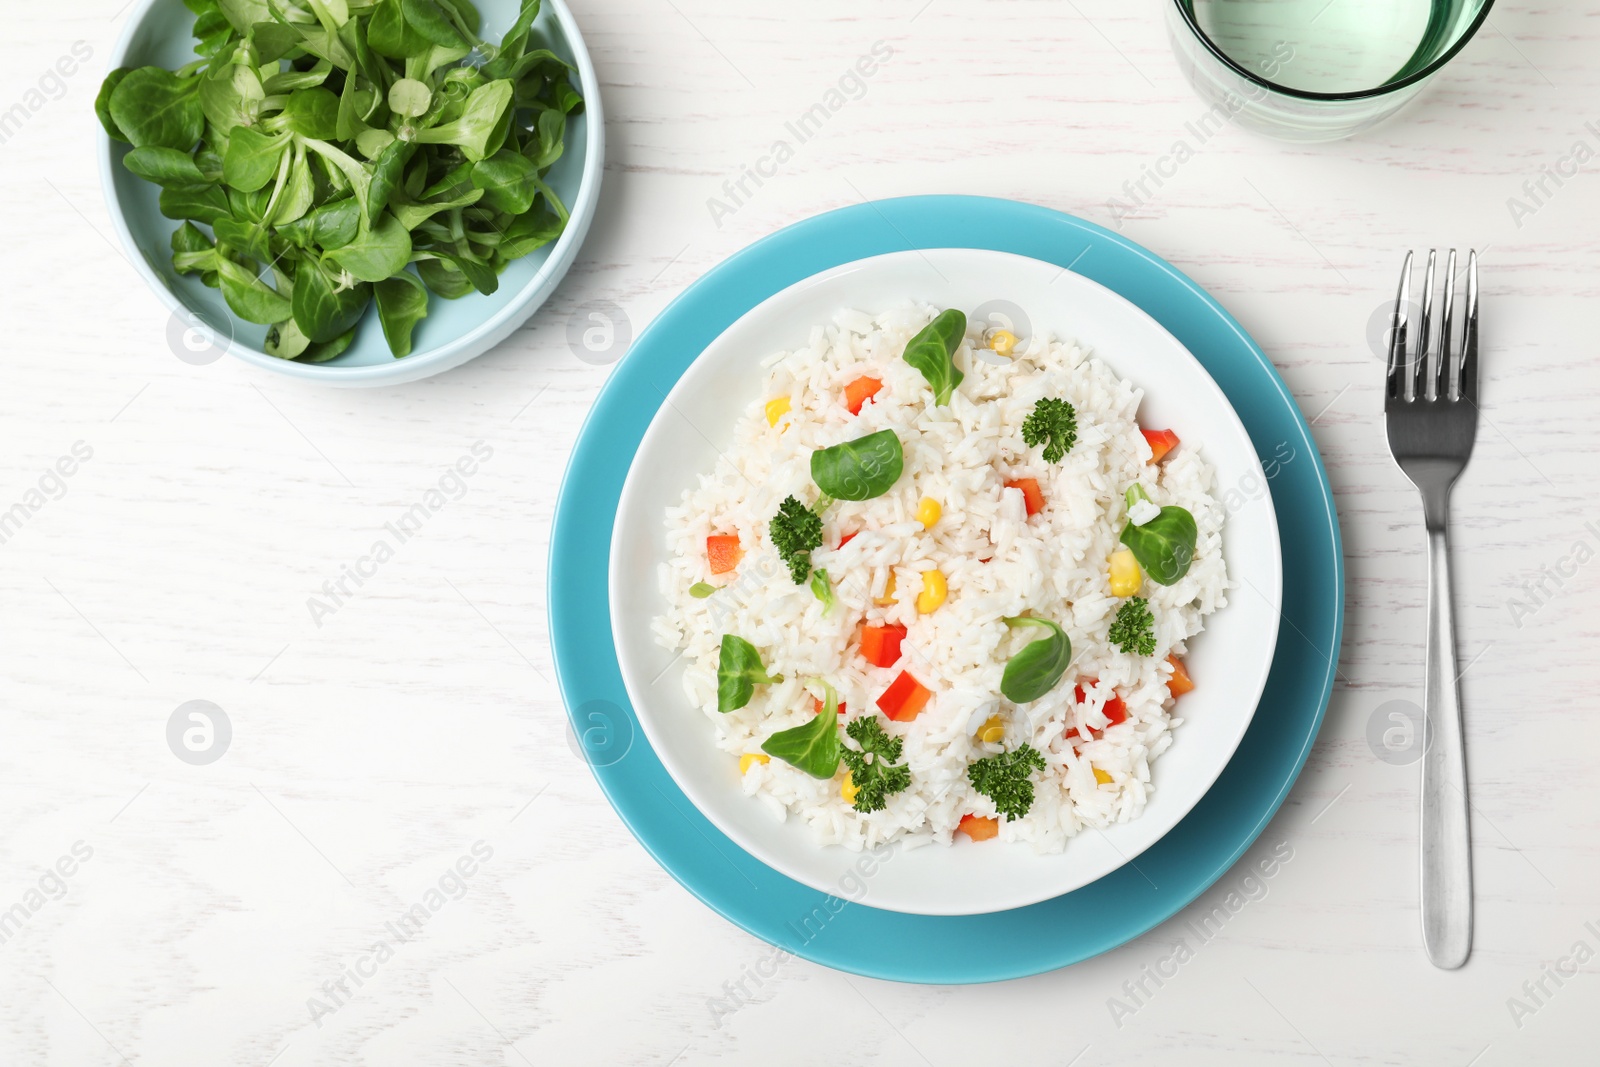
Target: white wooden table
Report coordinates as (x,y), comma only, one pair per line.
(230,913)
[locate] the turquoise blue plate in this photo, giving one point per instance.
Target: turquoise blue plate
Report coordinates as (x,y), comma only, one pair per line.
(976,948)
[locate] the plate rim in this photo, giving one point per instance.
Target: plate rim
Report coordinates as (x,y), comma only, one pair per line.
(1022,224)
(652,724)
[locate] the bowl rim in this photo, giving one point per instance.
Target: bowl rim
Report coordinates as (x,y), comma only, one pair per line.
(1185,10)
(652,724)
(430,361)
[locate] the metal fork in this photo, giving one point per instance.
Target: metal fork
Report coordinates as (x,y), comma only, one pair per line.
(1431,410)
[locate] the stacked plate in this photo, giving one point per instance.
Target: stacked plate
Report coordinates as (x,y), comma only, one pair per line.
(965,913)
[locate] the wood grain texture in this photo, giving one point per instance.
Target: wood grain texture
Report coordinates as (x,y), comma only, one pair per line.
(371,752)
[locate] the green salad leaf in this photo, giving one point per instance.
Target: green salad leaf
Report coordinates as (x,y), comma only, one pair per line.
(1165,545)
(861,469)
(1039,665)
(814,747)
(932,351)
(739,671)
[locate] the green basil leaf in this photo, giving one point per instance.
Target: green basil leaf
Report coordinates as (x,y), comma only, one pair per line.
(443,279)
(932,351)
(202,203)
(230,96)
(164,166)
(330,226)
(813,747)
(861,469)
(1165,545)
(391,36)
(739,671)
(380,252)
(1039,665)
(509,182)
(387,172)
(248,296)
(322,310)
(313,112)
(430,20)
(480,122)
(248,236)
(322,351)
(102,103)
(402,303)
(152,106)
(701,590)
(286,340)
(252,158)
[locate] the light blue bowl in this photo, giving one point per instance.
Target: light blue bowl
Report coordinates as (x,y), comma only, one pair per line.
(158,33)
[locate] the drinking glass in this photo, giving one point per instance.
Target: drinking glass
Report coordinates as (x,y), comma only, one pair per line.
(1316,70)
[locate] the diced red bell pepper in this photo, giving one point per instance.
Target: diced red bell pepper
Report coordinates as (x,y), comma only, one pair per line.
(1180,682)
(816,706)
(979,827)
(880,645)
(723,552)
(847,538)
(859,392)
(1032,495)
(1161,442)
(904,699)
(1114,709)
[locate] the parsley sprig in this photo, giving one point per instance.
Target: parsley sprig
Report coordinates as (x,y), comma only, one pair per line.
(1134,628)
(1053,421)
(1004,779)
(870,769)
(795,530)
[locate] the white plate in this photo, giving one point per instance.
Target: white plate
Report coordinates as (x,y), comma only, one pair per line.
(1230,660)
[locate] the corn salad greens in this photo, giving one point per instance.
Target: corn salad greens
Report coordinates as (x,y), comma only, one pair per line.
(330,145)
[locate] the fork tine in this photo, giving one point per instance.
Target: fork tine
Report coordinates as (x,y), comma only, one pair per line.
(1444,373)
(1419,370)
(1468,387)
(1397,333)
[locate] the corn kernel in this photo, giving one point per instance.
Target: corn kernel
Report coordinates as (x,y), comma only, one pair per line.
(934,590)
(928,512)
(1102,777)
(848,788)
(777,408)
(1003,341)
(1125,574)
(888,593)
(993,731)
(750,759)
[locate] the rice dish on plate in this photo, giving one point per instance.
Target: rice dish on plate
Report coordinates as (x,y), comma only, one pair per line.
(998,668)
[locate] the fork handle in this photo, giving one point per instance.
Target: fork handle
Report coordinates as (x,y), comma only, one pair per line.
(1446,834)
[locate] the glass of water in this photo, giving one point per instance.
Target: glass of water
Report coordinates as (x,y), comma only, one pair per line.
(1316,70)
